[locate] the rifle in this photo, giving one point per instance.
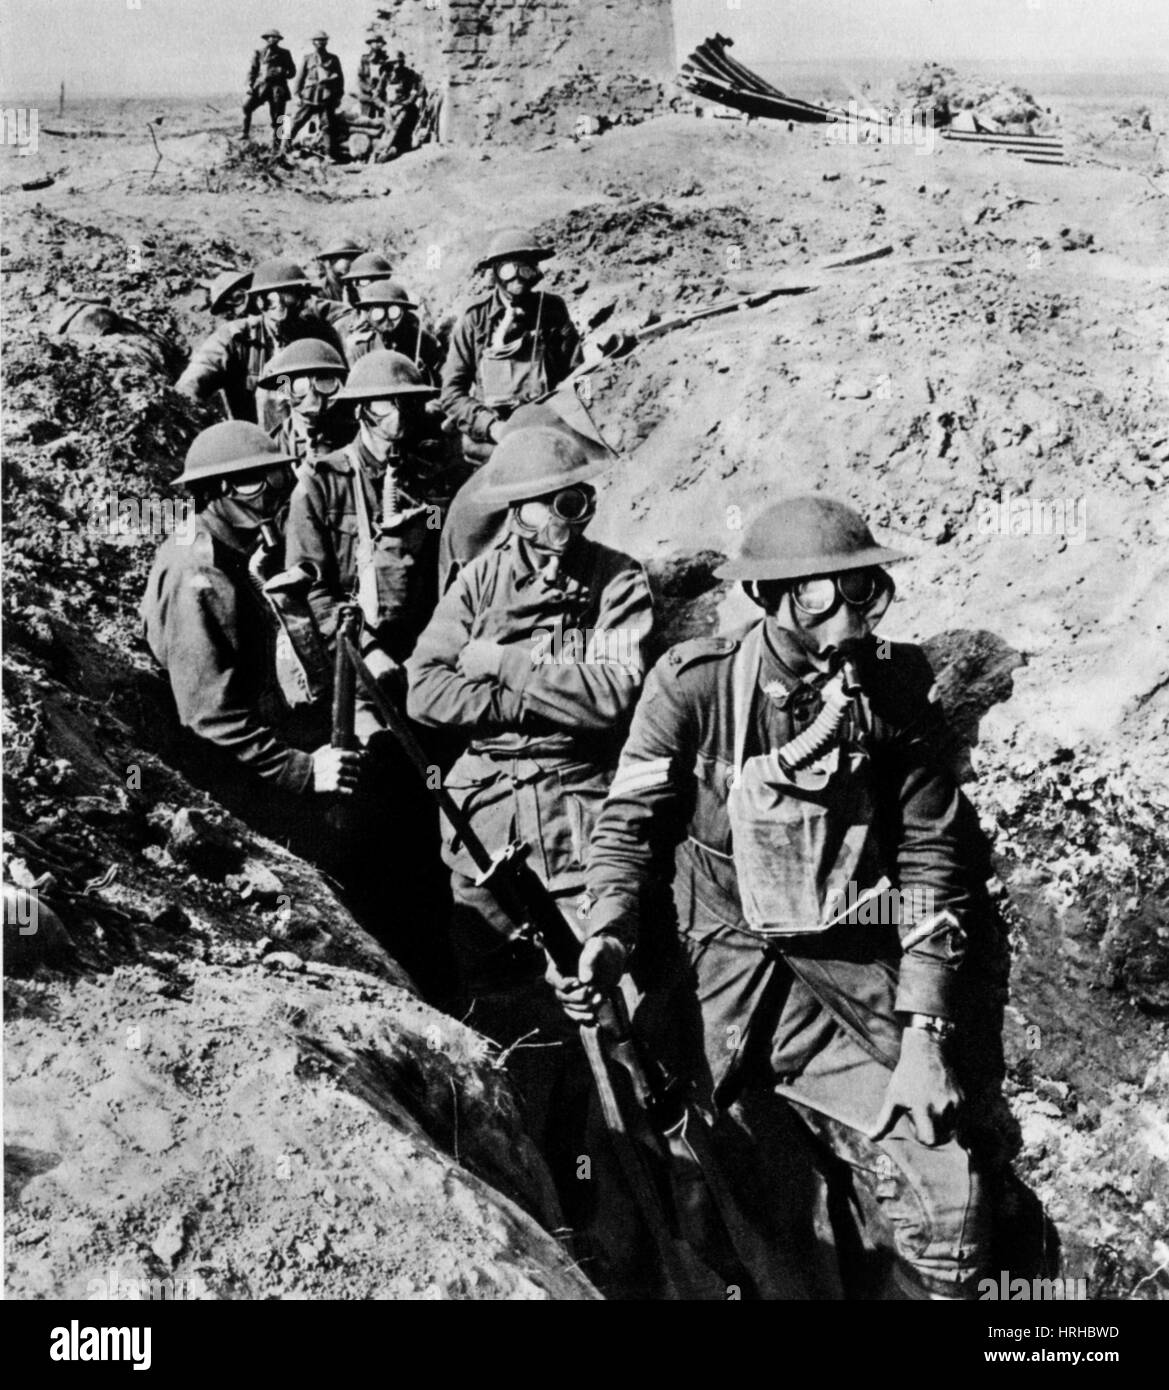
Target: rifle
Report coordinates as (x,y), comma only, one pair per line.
(345,680)
(653,1127)
(622,344)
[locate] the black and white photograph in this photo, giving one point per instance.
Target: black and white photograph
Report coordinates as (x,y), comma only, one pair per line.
(586,674)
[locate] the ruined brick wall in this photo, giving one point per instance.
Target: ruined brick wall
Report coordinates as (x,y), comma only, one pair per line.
(526,69)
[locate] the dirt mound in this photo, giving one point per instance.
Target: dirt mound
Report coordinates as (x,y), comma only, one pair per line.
(944,92)
(1007,358)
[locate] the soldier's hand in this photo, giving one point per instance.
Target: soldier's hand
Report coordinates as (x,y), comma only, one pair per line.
(479,660)
(923,1086)
(601,965)
(336,770)
(496,431)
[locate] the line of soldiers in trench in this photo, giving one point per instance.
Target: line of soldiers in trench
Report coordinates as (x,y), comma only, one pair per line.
(697,823)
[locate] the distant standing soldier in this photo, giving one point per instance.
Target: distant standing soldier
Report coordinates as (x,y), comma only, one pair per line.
(390,320)
(232,359)
(369,75)
(210,630)
(512,346)
(268,77)
(320,85)
(400,95)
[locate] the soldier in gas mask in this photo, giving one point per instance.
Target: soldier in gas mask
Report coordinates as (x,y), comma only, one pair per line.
(511,347)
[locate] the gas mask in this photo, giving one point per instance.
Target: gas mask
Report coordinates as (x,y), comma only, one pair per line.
(515,279)
(383,428)
(307,398)
(826,614)
(549,524)
(279,308)
(254,499)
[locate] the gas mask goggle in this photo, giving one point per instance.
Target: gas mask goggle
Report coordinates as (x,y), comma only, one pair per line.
(868,592)
(382,425)
(516,277)
(387,315)
(259,495)
(549,523)
(303,393)
(279,305)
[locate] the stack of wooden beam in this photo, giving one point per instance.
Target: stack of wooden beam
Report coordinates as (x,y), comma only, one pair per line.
(1035,149)
(711,74)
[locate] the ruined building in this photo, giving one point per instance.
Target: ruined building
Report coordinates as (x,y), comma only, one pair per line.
(518,70)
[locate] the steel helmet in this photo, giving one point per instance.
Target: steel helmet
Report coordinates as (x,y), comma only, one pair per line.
(381,374)
(385,292)
(271,34)
(278,275)
(532,462)
(232,446)
(225,285)
(514,245)
(340,246)
(305,355)
(369,266)
(320,34)
(803,536)
(545,414)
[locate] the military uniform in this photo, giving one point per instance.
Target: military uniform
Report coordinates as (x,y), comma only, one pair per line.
(369,79)
(320,85)
(407,337)
(213,635)
(392,835)
(233,358)
(399,93)
(543,741)
(336,431)
(543,735)
(323,531)
(811,1017)
(482,384)
(271,70)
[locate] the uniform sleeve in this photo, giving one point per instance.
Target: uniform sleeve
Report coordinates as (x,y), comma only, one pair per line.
(307,541)
(595,687)
(254,70)
(301,76)
(208,369)
(631,853)
(202,660)
(930,854)
(458,377)
(440,695)
(338,80)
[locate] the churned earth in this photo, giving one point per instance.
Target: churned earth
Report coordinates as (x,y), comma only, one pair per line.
(992,393)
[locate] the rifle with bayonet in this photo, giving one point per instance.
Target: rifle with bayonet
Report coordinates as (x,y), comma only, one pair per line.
(660,1141)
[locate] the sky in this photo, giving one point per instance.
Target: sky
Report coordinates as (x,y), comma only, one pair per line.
(202,47)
